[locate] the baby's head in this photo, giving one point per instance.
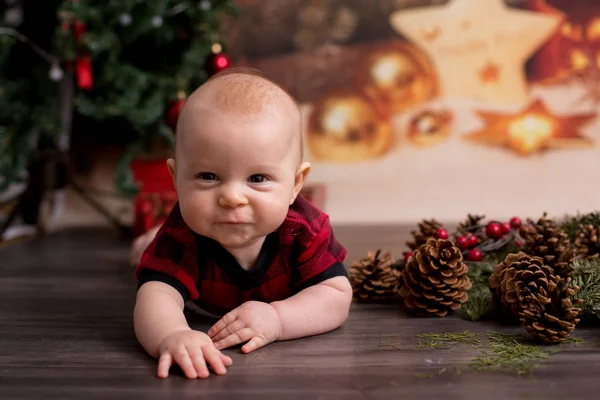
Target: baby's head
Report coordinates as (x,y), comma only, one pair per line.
(238,158)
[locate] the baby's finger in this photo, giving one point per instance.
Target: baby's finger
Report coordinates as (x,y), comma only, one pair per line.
(164,364)
(197,358)
(213,357)
(227,361)
(255,343)
(229,330)
(185,363)
(241,336)
(222,323)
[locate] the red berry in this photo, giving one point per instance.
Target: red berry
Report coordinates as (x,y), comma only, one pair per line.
(441,233)
(473,241)
(519,243)
(462,242)
(474,255)
(407,255)
(515,222)
(506,228)
(493,230)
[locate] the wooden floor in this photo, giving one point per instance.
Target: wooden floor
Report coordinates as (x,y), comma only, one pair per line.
(66,333)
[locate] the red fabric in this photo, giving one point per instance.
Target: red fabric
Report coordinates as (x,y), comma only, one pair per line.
(302,252)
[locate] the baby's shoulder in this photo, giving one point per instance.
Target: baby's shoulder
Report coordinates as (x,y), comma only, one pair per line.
(175,230)
(305,221)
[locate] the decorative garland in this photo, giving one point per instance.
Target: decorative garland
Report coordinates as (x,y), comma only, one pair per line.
(543,274)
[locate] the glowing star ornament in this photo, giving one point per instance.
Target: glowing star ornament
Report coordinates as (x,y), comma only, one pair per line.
(479,48)
(532,130)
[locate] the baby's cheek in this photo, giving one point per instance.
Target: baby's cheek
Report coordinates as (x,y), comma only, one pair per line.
(194,210)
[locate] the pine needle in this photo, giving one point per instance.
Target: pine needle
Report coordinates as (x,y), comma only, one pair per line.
(445,339)
(511,353)
(479,303)
(586,275)
(570,223)
(503,352)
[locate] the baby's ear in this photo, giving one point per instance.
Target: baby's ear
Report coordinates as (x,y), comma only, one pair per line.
(171,167)
(299,180)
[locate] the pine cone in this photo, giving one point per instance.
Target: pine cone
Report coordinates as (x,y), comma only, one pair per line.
(502,284)
(587,242)
(523,286)
(375,277)
(550,315)
(435,279)
(472,221)
(427,230)
(546,240)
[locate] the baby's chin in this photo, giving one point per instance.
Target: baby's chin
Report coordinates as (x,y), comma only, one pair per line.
(235,237)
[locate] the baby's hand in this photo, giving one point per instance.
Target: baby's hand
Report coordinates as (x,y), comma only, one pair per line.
(254,322)
(191,350)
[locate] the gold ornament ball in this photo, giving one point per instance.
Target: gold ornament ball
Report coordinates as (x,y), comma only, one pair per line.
(430,127)
(397,77)
(345,127)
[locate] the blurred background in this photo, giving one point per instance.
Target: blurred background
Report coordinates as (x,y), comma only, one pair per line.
(413,109)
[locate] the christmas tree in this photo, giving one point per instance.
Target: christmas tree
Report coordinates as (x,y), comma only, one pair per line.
(129,63)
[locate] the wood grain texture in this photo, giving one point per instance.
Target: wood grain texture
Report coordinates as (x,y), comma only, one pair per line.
(66,333)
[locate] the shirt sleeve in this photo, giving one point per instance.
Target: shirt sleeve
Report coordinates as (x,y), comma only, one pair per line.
(172,258)
(322,258)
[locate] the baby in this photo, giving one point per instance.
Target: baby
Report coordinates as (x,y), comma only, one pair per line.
(241,243)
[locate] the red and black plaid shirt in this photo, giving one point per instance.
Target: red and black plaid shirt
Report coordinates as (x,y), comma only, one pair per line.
(301,253)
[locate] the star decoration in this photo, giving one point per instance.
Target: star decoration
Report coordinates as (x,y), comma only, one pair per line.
(489,73)
(532,130)
(467,36)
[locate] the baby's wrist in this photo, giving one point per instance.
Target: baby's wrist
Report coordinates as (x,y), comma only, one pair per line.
(275,306)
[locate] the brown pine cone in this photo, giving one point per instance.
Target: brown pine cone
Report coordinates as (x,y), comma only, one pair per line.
(435,279)
(427,229)
(522,286)
(546,240)
(550,315)
(375,277)
(587,242)
(501,285)
(472,221)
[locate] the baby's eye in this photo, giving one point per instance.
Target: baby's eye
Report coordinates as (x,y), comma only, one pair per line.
(207,176)
(257,178)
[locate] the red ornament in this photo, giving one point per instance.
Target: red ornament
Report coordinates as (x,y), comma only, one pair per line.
(505,228)
(474,255)
(473,241)
(79,30)
(441,233)
(462,242)
(173,113)
(515,222)
(85,79)
(216,63)
(493,230)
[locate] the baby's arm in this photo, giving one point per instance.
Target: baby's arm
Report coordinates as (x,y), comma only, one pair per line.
(158,313)
(317,309)
(162,330)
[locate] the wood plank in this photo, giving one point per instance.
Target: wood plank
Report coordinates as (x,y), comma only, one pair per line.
(66,333)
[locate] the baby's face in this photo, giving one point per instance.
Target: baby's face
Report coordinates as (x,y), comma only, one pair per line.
(235,176)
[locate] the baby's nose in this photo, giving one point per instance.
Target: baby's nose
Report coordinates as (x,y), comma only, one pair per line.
(232,197)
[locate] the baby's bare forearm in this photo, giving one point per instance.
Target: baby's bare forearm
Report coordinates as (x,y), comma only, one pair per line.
(158,313)
(315,310)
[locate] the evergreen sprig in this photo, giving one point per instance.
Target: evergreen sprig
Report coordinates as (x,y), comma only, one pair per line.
(571,223)
(586,275)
